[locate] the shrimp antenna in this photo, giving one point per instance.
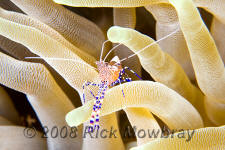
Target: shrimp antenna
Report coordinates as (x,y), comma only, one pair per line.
(114,49)
(64,59)
(155,42)
(111,51)
(103,46)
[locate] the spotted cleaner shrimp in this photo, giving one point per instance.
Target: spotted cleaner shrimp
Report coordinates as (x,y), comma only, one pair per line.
(110,74)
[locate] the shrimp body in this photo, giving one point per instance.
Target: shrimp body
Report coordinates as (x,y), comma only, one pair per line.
(108,74)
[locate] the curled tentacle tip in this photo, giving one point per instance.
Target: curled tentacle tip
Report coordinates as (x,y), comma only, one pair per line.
(67,118)
(112,34)
(70,120)
(118,34)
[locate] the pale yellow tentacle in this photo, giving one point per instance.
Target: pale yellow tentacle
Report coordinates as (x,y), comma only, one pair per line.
(218,34)
(205,138)
(108,3)
(45,96)
(11,137)
(74,28)
(142,118)
(14,49)
(101,140)
(207,63)
(160,65)
(21,52)
(75,73)
(22,19)
(169,106)
(124,17)
(175,45)
(139,117)
(216,7)
(214,110)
